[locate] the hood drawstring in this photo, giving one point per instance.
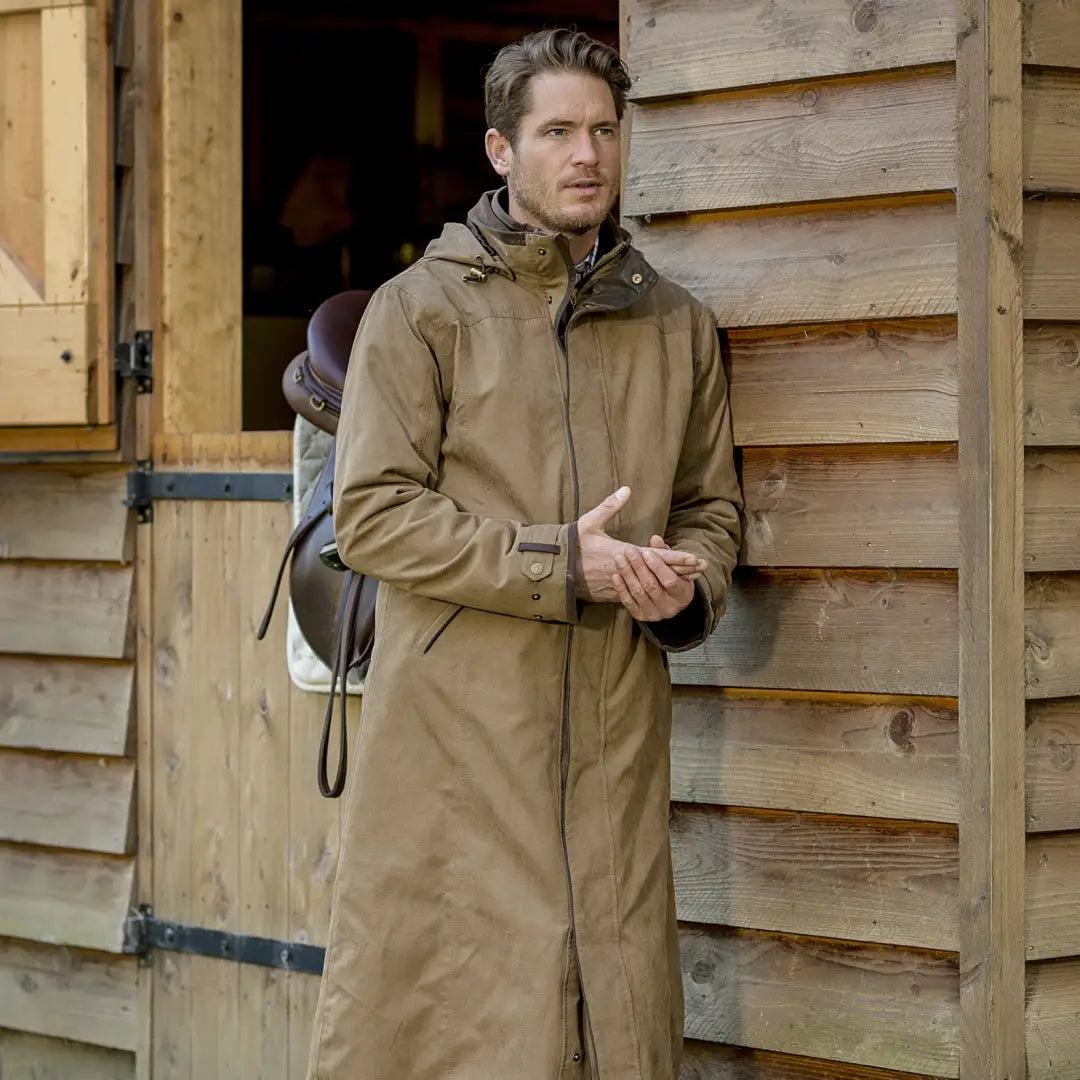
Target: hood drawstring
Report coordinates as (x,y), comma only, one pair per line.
(476,273)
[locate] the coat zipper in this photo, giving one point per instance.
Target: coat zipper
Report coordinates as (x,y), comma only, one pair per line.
(565,755)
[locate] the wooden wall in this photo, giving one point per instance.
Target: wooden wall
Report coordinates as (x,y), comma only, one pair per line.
(67,774)
(241,839)
(796,168)
(1051,142)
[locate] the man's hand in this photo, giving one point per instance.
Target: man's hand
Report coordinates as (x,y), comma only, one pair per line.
(660,594)
(603,559)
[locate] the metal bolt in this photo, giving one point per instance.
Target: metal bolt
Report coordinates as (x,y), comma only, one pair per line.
(67,356)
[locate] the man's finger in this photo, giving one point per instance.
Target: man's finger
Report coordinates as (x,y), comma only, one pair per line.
(658,541)
(597,519)
(626,598)
(639,584)
(664,574)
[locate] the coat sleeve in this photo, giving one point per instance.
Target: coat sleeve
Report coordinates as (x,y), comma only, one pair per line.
(706,500)
(389,521)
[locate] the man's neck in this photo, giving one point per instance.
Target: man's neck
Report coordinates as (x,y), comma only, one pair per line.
(581,245)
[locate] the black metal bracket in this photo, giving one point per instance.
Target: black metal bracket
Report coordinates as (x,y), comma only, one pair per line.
(145,486)
(143,932)
(135,360)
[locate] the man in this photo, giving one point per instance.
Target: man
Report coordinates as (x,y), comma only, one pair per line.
(534,458)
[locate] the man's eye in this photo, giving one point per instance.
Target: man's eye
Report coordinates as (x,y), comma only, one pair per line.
(556,131)
(606,132)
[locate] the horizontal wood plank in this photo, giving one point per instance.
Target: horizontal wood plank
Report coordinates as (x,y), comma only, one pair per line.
(1051,271)
(830,877)
(34,1057)
(688,46)
(1052,32)
(1053,1033)
(66,610)
(68,994)
(867,1005)
(882,382)
(812,265)
(1052,635)
(1052,510)
(1051,384)
(815,630)
(45,364)
(1052,785)
(65,897)
(56,513)
(865,506)
(876,757)
(81,706)
(69,802)
(1052,896)
(1052,130)
(795,144)
(706,1061)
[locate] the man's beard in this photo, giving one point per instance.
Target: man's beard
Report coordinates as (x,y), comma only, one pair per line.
(530,199)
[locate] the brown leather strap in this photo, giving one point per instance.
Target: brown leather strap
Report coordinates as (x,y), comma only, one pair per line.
(350,600)
(298,534)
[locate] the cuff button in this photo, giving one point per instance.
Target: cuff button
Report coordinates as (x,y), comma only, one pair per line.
(536,596)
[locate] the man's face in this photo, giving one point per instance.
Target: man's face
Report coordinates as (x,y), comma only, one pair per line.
(564,171)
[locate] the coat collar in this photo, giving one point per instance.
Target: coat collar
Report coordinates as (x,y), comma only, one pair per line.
(620,277)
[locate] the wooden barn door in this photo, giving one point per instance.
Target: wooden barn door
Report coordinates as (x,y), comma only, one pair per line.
(56,176)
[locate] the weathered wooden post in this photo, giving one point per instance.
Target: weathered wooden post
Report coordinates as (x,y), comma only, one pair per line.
(874,866)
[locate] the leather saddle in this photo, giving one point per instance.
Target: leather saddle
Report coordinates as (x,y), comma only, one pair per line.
(334,606)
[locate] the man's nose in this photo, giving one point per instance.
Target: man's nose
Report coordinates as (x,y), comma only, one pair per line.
(585,149)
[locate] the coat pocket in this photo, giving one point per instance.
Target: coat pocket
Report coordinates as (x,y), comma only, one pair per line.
(434,629)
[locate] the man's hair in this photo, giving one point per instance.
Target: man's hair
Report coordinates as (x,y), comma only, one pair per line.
(507,93)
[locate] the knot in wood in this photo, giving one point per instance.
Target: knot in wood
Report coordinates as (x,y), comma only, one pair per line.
(703,971)
(901,730)
(1062,755)
(1069,351)
(864,17)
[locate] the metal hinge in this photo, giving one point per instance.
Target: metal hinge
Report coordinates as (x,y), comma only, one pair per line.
(144,932)
(135,360)
(145,485)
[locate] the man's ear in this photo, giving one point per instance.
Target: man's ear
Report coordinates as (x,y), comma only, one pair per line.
(499,151)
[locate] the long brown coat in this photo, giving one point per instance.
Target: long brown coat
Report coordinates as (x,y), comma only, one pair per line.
(505,841)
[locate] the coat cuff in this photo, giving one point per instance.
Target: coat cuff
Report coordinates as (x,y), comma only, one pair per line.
(687,630)
(548,555)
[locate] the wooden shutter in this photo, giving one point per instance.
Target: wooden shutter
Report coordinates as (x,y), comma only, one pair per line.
(55,214)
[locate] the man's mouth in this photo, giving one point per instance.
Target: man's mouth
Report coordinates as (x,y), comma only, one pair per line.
(586,187)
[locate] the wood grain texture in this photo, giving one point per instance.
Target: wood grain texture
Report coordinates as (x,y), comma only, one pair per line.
(706,1061)
(1053,753)
(80,706)
(990,221)
(1053,1035)
(1052,896)
(1052,510)
(830,877)
(70,802)
(1052,130)
(865,1005)
(687,46)
(1051,385)
(172,784)
(34,1057)
(812,266)
(876,757)
(1051,273)
(264,744)
(65,897)
(64,513)
(68,994)
(887,382)
(816,630)
(40,386)
(199,351)
(1052,635)
(795,144)
(852,506)
(1052,32)
(66,610)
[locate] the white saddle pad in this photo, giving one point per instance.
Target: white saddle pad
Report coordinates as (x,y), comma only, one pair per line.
(311,448)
